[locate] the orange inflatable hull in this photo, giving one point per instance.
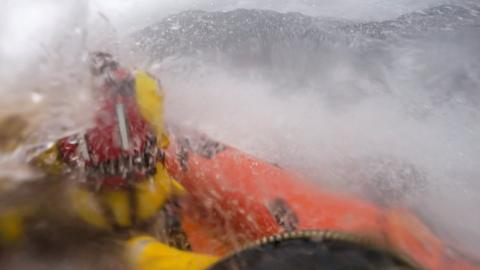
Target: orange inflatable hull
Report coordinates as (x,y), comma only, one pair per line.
(235,199)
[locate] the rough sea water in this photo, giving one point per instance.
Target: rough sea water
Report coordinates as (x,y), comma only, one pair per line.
(382,101)
(387,109)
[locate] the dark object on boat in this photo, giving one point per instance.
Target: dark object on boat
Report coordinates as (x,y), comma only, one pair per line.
(314,250)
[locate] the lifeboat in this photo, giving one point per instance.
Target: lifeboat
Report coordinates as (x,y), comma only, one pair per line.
(236,199)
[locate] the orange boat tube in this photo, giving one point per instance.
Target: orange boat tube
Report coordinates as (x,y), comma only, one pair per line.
(235,199)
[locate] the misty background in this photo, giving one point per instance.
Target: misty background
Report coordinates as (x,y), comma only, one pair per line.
(379,98)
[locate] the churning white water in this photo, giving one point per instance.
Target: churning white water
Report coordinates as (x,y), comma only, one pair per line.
(380,98)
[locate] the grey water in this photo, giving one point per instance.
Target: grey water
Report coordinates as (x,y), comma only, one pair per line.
(377,98)
(386,109)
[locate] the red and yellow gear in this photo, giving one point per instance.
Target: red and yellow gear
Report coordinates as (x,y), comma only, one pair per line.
(122,154)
